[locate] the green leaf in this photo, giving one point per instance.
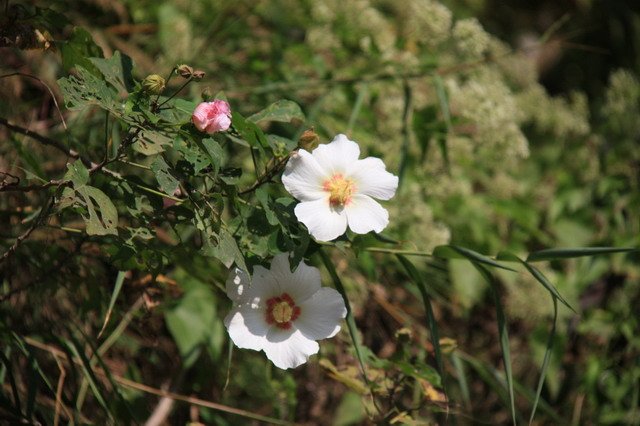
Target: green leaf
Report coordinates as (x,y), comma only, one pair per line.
(262,194)
(214,151)
(191,320)
(567,253)
(283,110)
(151,142)
(167,182)
(116,70)
(192,154)
(226,250)
(86,89)
(77,173)
(456,252)
(104,219)
(76,51)
(250,132)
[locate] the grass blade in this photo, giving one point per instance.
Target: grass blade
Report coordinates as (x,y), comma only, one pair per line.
(539,276)
(568,253)
(456,252)
(547,358)
(90,376)
(503,333)
(114,296)
(351,323)
(14,389)
(357,106)
(433,325)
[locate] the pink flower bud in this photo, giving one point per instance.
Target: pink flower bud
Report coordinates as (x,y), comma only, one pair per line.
(212,116)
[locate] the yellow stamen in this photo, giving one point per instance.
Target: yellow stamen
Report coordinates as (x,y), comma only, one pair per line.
(282,312)
(340,190)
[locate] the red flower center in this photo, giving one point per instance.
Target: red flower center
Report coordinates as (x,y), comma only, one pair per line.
(282,311)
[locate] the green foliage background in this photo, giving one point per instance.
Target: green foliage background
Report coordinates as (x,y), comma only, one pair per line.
(112,282)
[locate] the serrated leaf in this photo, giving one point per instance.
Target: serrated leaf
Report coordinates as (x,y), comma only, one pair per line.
(116,70)
(167,182)
(568,253)
(103,216)
(283,111)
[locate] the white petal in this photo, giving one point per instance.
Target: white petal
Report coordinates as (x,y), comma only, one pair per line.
(264,285)
(288,348)
(337,156)
(303,283)
(320,316)
(323,222)
(303,177)
(237,285)
(371,178)
(365,214)
(247,328)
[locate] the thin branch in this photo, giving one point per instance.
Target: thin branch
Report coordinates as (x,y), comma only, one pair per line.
(55,101)
(36,223)
(40,138)
(266,177)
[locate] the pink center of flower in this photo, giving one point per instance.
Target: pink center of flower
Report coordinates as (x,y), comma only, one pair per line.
(282,311)
(340,190)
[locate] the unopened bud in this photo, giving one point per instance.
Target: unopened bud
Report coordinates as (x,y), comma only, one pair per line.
(184,71)
(309,140)
(198,75)
(153,84)
(206,94)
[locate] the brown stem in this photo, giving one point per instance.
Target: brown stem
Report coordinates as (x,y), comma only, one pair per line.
(40,138)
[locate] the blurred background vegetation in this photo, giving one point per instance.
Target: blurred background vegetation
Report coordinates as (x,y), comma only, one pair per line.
(514,125)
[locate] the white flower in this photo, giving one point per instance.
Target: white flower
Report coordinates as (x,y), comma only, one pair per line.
(281,312)
(336,189)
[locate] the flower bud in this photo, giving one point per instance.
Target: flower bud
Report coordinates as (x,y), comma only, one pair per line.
(198,75)
(184,71)
(153,84)
(212,116)
(206,94)
(309,140)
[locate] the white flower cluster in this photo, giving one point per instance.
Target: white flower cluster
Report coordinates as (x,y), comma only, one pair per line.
(491,114)
(281,312)
(470,38)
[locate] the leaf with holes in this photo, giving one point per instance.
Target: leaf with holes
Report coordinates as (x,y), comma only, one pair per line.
(167,182)
(102,214)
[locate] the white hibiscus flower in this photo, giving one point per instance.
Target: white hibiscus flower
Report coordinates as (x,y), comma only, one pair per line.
(282,313)
(337,189)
